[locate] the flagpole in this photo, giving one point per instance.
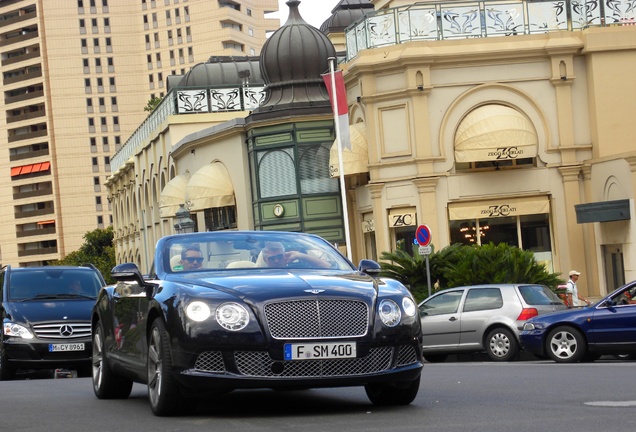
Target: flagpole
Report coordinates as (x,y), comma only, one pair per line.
(343,191)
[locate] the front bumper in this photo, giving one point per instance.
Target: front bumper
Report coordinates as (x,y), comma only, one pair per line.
(227,370)
(532,342)
(35,354)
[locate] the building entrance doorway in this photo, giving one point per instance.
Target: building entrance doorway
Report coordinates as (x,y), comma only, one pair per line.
(613,266)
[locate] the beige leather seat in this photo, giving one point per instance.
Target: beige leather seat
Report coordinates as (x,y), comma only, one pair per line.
(241,264)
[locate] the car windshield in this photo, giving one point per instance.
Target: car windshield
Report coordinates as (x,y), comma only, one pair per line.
(538,295)
(53,283)
(248,250)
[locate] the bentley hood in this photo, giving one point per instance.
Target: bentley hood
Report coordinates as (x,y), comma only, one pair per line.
(261,285)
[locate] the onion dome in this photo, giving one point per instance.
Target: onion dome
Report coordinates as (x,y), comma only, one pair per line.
(344,14)
(220,71)
(292,61)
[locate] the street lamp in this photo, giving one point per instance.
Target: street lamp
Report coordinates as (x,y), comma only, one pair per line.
(184,224)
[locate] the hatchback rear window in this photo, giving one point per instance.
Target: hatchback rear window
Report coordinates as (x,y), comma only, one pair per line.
(483,299)
(536,295)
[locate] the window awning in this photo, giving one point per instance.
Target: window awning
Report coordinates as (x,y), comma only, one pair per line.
(46,222)
(28,169)
(495,132)
(354,161)
(499,208)
(173,194)
(210,187)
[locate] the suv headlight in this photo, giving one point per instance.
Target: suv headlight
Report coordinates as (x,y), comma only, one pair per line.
(389,313)
(16,330)
(232,316)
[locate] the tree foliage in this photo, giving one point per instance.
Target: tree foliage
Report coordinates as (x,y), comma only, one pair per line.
(97,249)
(458,265)
(152,104)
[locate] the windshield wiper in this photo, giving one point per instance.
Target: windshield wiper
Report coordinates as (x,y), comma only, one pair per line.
(56,296)
(75,295)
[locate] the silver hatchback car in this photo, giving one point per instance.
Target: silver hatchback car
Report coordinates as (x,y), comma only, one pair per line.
(482,318)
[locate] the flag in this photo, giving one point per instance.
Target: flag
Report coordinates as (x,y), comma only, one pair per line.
(339,106)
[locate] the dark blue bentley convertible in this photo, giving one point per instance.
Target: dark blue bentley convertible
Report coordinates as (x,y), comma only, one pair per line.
(243,309)
(605,327)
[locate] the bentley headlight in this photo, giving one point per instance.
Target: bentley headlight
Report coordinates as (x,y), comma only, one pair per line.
(389,313)
(232,316)
(409,306)
(198,311)
(16,330)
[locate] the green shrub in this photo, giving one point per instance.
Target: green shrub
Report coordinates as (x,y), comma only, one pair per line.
(458,265)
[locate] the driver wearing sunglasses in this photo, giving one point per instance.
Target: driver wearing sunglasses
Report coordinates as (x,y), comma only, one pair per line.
(191,258)
(274,255)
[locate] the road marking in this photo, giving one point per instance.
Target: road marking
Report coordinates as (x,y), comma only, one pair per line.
(612,403)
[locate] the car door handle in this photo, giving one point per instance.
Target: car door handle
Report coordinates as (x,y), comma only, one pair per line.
(452,319)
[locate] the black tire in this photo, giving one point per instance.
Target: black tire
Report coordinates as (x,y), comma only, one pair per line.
(106,384)
(392,394)
(163,391)
(436,358)
(502,345)
(7,373)
(566,345)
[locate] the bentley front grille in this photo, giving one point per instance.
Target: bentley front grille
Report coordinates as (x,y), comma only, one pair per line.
(210,361)
(260,364)
(63,330)
(306,319)
(406,355)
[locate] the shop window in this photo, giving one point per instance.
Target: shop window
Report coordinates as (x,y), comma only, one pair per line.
(220,218)
(313,168)
(496,165)
(277,173)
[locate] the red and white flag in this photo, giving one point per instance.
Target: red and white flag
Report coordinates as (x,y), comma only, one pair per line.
(339,105)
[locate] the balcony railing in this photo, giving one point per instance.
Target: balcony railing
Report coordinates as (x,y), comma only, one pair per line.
(39,251)
(36,232)
(479,19)
(16,19)
(189,101)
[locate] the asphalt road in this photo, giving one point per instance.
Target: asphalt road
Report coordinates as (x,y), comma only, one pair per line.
(454,396)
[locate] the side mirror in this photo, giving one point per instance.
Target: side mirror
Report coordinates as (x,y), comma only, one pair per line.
(369,267)
(128,272)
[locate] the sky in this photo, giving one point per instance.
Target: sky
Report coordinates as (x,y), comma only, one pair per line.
(314,12)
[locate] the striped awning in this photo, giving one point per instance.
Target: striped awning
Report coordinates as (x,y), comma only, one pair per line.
(210,187)
(495,133)
(173,194)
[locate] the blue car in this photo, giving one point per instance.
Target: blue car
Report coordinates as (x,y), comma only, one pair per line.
(584,334)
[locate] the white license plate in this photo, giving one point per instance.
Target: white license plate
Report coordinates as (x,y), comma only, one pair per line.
(317,351)
(66,347)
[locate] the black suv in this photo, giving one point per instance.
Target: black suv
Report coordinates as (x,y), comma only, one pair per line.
(46,318)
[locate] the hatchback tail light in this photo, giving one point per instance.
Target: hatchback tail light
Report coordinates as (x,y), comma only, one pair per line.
(527,313)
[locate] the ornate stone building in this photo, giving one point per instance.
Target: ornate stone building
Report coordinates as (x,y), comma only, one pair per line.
(486,121)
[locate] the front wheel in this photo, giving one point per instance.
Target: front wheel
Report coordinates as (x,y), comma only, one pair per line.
(106,384)
(391,394)
(502,345)
(163,391)
(566,345)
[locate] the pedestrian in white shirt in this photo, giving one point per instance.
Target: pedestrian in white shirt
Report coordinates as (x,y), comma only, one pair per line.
(572,291)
